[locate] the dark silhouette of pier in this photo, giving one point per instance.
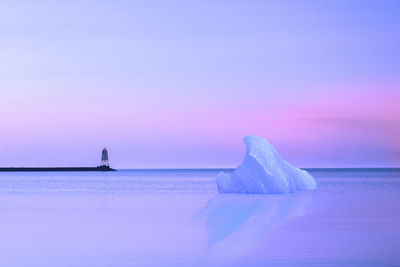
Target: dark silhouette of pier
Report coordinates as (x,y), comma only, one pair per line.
(104,167)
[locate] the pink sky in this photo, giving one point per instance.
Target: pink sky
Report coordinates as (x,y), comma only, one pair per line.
(358,128)
(180,85)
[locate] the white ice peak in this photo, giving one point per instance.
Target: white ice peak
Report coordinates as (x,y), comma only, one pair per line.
(263,171)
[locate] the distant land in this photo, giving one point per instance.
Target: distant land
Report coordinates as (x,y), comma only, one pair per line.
(104,167)
(57,169)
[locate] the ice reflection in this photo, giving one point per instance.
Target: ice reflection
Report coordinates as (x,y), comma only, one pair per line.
(236,223)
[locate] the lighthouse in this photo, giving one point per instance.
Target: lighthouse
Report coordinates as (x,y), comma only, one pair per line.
(104,158)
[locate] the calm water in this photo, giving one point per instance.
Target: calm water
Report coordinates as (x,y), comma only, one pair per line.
(177,218)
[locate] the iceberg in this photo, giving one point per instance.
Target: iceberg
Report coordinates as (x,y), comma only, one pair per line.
(263,171)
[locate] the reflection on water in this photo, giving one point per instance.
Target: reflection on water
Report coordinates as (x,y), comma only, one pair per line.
(177,218)
(236,223)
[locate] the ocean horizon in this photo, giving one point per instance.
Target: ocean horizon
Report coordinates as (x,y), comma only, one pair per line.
(205,109)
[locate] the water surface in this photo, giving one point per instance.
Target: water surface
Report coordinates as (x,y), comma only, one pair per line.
(177,218)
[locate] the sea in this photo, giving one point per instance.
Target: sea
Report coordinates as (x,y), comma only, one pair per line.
(176,217)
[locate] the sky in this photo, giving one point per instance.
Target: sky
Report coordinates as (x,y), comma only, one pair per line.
(178,84)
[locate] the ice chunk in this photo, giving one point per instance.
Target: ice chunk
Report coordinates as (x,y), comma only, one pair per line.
(263,171)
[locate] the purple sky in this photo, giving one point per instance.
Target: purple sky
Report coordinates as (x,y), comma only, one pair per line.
(179,83)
